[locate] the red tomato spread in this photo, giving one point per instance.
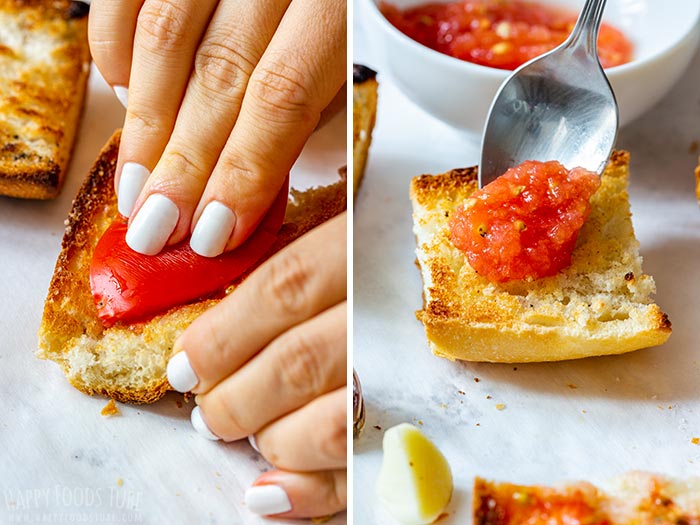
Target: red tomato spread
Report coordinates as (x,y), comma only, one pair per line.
(503,34)
(524,225)
(130,287)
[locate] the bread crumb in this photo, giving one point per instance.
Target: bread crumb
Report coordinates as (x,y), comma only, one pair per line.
(377,427)
(461,392)
(488,397)
(572,386)
(178,403)
(120,482)
(695,441)
(110,409)
(443,405)
(476,379)
(500,406)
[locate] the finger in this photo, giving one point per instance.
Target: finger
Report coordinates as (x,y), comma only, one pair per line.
(335,106)
(235,40)
(298,495)
(291,287)
(166,38)
(297,77)
(111,28)
(312,438)
(303,363)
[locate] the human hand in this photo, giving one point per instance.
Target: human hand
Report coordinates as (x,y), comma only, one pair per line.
(269,361)
(222,96)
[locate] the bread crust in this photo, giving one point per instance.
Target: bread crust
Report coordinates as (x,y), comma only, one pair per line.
(93,358)
(364,113)
(40,99)
(467,317)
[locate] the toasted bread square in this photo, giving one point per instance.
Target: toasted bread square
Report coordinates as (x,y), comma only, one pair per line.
(599,305)
(631,497)
(44,66)
(127,362)
(364,112)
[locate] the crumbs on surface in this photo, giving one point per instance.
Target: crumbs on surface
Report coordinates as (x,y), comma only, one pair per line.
(110,409)
(377,427)
(461,392)
(178,403)
(695,441)
(120,482)
(500,406)
(572,386)
(476,379)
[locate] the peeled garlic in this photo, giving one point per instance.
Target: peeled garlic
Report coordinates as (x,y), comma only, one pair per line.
(415,482)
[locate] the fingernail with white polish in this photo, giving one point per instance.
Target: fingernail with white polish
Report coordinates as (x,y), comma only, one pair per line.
(213,230)
(131,183)
(153,225)
(122,94)
(266,500)
(200,426)
(180,374)
(253,443)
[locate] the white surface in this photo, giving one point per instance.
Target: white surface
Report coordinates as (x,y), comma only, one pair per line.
(461,93)
(588,419)
(60,458)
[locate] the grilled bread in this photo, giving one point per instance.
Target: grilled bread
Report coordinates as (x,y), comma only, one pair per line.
(364,111)
(599,305)
(127,362)
(44,66)
(632,498)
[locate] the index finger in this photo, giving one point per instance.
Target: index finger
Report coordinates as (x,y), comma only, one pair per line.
(294,285)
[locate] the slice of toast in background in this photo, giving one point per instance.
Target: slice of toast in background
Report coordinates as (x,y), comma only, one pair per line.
(44,66)
(632,497)
(128,362)
(599,305)
(364,112)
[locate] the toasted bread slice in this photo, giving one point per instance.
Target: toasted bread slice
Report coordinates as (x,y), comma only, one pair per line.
(634,497)
(128,362)
(599,305)
(44,66)
(364,112)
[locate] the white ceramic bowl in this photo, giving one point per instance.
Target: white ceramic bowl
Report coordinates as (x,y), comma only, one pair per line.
(665,35)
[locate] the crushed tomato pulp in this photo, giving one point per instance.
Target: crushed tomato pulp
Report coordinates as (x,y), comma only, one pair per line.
(503,34)
(524,225)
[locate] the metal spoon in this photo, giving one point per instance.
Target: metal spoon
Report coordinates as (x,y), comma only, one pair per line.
(559,106)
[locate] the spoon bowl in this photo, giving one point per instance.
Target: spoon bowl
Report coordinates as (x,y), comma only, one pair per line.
(559,106)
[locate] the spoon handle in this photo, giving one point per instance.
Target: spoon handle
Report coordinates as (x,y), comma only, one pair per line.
(585,32)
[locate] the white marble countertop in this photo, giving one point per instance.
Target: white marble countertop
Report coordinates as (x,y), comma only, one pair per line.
(61,461)
(589,419)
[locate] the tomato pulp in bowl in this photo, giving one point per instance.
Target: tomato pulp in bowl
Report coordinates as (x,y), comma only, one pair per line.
(502,34)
